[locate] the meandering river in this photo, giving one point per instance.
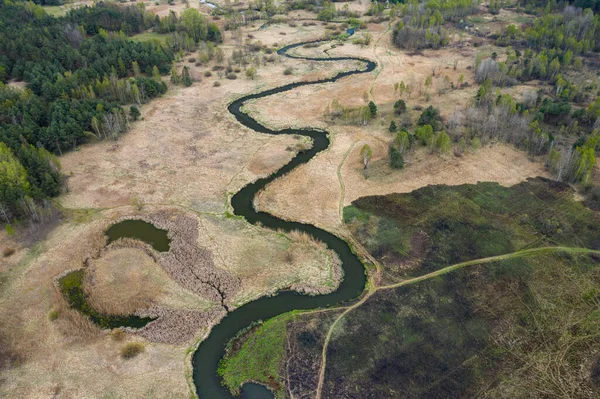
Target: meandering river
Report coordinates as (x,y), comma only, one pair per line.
(209,353)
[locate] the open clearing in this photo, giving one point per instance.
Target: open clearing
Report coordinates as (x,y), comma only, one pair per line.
(39,324)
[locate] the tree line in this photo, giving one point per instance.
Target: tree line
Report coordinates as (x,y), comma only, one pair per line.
(421,23)
(79,70)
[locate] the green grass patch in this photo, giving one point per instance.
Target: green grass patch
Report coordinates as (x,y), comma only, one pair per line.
(522,19)
(476,20)
(149,36)
(54,314)
(259,358)
(55,11)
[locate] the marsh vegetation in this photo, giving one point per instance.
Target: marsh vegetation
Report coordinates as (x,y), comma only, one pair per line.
(507,325)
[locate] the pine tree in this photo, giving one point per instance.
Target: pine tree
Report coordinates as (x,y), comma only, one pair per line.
(174,76)
(134,112)
(372,109)
(396,158)
(185,77)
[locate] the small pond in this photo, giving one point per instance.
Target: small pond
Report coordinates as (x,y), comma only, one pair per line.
(140,230)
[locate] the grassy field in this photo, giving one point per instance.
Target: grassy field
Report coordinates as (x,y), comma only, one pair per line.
(56,11)
(259,358)
(148,36)
(282,353)
(505,329)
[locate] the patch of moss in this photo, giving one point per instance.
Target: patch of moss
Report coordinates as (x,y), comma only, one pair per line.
(54,314)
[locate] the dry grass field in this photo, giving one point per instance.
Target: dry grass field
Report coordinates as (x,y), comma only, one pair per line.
(124,280)
(54,349)
(336,176)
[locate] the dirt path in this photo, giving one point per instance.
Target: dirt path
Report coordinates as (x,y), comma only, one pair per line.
(372,289)
(379,60)
(341,181)
(381,66)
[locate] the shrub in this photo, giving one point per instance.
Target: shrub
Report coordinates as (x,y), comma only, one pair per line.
(6,252)
(396,158)
(399,107)
(255,47)
(54,314)
(10,231)
(134,112)
(592,199)
(217,83)
(231,76)
(251,73)
(393,127)
(430,116)
(208,74)
(131,350)
(288,71)
(192,60)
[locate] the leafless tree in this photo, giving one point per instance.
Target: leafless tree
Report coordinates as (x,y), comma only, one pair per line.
(73,34)
(5,212)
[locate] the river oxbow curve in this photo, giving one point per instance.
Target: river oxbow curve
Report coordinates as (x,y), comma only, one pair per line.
(206,358)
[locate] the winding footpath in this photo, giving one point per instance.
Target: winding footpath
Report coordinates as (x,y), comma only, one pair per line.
(209,353)
(440,272)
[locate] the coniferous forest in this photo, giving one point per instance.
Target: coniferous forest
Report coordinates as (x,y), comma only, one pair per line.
(79,71)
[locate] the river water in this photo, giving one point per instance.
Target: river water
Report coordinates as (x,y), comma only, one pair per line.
(209,353)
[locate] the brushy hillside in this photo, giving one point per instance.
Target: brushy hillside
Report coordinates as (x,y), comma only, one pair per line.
(438,226)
